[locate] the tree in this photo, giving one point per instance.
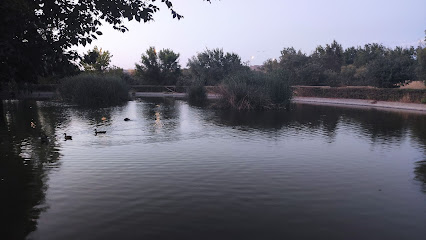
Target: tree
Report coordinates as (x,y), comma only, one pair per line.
(331,57)
(162,68)
(392,67)
(212,66)
(169,66)
(369,53)
(292,61)
(421,62)
(349,55)
(421,66)
(270,65)
(96,60)
(37,35)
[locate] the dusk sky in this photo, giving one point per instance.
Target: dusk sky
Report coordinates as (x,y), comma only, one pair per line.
(258,30)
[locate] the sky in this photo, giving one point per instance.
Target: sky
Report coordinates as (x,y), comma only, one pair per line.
(259,30)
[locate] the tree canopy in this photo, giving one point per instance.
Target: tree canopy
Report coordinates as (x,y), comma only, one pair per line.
(36,35)
(372,64)
(212,66)
(96,60)
(159,68)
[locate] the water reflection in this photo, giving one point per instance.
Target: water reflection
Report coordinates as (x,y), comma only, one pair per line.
(161,115)
(387,129)
(420,172)
(28,152)
(380,127)
(173,127)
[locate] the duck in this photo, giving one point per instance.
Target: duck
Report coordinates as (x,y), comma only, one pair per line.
(127,119)
(67,137)
(101,132)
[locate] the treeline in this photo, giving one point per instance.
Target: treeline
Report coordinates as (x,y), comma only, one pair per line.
(239,87)
(372,65)
(329,65)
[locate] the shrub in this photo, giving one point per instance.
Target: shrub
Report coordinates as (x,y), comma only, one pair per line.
(197,94)
(249,90)
(94,90)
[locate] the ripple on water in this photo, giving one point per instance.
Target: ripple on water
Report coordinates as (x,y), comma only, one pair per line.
(180,172)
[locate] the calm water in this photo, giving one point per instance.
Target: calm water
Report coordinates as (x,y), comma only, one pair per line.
(180,172)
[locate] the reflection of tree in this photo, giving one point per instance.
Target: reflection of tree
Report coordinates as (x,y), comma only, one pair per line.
(301,118)
(95,117)
(23,165)
(162,113)
(381,127)
(420,172)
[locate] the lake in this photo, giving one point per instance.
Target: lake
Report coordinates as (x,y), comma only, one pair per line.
(175,171)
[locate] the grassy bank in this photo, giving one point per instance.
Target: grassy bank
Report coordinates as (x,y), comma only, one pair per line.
(379,94)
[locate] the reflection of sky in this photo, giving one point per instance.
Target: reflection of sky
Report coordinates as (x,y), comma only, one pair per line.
(321,163)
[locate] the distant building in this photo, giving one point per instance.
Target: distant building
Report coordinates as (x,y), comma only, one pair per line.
(129,71)
(256,68)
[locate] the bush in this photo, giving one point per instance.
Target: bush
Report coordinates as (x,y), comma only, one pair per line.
(94,90)
(249,90)
(197,94)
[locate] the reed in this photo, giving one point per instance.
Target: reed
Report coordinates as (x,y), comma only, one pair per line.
(94,90)
(250,90)
(197,94)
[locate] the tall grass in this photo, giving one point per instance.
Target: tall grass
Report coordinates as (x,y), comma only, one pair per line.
(248,90)
(197,94)
(94,90)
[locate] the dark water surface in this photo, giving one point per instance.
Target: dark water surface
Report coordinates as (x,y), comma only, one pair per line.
(180,172)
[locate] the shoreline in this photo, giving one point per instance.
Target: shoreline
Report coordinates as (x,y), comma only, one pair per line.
(363,103)
(342,102)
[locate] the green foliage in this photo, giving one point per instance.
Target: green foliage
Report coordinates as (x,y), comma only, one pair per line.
(331,56)
(159,69)
(270,65)
(94,90)
(373,65)
(392,68)
(212,66)
(127,77)
(96,60)
(294,63)
(247,90)
(36,36)
(421,66)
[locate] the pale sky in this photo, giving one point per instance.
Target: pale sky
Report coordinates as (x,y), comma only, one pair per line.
(258,30)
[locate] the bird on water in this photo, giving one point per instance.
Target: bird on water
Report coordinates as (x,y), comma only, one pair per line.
(99,132)
(67,137)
